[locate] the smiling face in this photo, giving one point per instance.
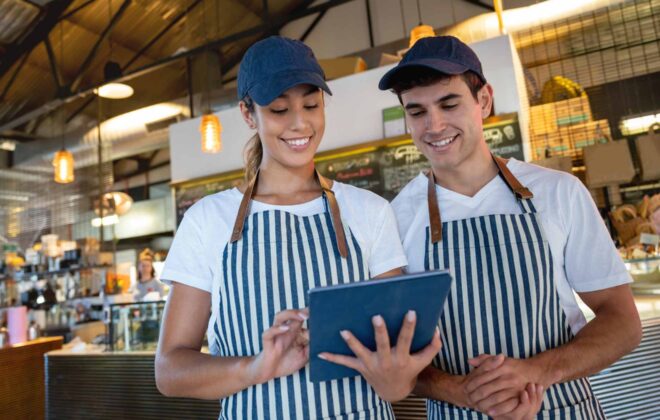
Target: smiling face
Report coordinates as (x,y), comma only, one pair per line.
(446,122)
(290,127)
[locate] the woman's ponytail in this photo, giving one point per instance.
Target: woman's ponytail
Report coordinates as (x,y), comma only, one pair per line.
(253,152)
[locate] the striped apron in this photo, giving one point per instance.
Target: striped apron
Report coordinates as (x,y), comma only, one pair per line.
(503,299)
(272,260)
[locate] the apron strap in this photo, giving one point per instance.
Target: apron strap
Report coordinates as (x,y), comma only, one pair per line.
(521,193)
(326,188)
(434,210)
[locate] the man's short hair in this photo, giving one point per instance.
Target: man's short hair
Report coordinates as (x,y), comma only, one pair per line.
(412,77)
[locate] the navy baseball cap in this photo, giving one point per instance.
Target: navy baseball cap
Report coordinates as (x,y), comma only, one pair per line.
(445,54)
(275,64)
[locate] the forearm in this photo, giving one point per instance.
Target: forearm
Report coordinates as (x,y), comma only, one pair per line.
(439,385)
(603,341)
(189,373)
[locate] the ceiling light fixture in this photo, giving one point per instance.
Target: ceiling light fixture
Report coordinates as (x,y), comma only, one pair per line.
(113,90)
(63,163)
(420,31)
(112,71)
(210,127)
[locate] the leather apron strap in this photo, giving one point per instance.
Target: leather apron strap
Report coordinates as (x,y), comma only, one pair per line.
(326,188)
(521,192)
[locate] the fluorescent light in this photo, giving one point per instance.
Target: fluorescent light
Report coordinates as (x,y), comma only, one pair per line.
(638,124)
(106,221)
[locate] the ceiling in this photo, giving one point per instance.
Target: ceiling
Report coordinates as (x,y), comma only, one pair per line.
(52,53)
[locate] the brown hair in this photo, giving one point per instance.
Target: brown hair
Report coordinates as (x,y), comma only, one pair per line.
(253,151)
(421,76)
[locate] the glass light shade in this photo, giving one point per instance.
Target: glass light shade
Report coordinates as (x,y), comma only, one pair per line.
(114,202)
(63,163)
(419,32)
(114,91)
(211,130)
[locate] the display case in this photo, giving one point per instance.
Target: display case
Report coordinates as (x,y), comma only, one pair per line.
(134,326)
(646,275)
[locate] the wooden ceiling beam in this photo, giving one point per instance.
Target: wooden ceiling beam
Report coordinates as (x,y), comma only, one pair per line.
(54,70)
(41,30)
(480,4)
(160,34)
(76,10)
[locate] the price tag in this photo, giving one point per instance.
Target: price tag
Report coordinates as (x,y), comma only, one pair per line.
(649,239)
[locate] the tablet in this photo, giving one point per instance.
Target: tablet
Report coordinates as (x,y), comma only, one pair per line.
(351,307)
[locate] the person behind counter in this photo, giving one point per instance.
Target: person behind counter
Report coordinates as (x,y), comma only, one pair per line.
(247,257)
(147,286)
(517,254)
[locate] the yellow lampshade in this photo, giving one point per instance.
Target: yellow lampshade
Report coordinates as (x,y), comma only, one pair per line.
(63,163)
(419,32)
(211,130)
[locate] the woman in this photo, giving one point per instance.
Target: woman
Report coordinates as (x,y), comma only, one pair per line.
(247,258)
(147,284)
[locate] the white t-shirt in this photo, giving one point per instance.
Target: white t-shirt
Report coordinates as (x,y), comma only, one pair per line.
(195,256)
(583,253)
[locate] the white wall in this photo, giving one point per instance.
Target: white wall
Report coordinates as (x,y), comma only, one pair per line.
(353,114)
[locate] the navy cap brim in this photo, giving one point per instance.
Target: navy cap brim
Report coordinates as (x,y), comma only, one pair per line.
(266,92)
(439,65)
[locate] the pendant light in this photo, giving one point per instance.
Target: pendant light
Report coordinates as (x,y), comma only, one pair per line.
(420,31)
(210,127)
(112,71)
(113,90)
(63,163)
(211,130)
(63,160)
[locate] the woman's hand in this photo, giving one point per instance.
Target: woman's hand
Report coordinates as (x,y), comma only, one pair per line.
(285,348)
(391,371)
(529,405)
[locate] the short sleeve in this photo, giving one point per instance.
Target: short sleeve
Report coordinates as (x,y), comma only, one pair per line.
(590,259)
(386,249)
(187,260)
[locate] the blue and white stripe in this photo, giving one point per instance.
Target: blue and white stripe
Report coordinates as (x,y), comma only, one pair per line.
(503,300)
(279,257)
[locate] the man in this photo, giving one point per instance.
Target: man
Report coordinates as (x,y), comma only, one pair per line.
(518,240)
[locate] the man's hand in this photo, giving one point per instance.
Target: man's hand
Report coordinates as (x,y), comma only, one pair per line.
(391,371)
(500,388)
(528,405)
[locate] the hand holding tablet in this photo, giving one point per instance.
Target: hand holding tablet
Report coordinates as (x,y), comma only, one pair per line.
(363,319)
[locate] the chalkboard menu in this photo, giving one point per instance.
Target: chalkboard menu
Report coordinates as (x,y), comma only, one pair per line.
(502,134)
(384,167)
(187,194)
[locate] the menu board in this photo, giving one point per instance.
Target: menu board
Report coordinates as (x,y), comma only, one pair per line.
(384,167)
(502,134)
(187,194)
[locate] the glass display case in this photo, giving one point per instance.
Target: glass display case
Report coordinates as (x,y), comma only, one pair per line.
(646,285)
(646,275)
(134,326)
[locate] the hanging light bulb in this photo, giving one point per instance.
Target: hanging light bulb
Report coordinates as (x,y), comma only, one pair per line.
(63,163)
(211,130)
(420,31)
